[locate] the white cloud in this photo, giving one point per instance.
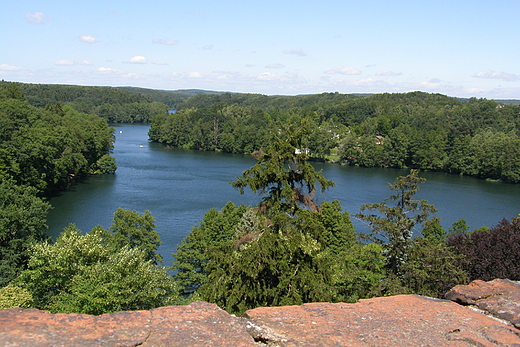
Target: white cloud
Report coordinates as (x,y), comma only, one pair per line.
(83,62)
(288,78)
(344,71)
(115,72)
(159,62)
(295,51)
(36,17)
(165,42)
(108,70)
(207,47)
(63,62)
(195,74)
(250,65)
(490,74)
(6,67)
(88,39)
(138,59)
(267,76)
(388,73)
(275,66)
(66,62)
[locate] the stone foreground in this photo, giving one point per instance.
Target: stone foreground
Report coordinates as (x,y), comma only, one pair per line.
(402,320)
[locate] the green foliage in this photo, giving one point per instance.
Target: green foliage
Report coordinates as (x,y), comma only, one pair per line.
(393,225)
(432,268)
(133,230)
(291,260)
(287,254)
(13,91)
(282,267)
(459,227)
(191,257)
(106,165)
(48,148)
(22,222)
(284,174)
(98,272)
(115,105)
(422,265)
(411,130)
(124,281)
(360,271)
(12,296)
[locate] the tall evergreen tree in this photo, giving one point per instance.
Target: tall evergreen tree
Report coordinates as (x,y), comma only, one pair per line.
(396,218)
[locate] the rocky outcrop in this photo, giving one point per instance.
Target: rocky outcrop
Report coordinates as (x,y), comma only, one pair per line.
(402,320)
(197,324)
(500,298)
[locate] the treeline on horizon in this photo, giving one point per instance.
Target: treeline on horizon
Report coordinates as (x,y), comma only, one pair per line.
(287,250)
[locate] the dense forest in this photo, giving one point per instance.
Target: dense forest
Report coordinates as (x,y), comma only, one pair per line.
(288,249)
(115,105)
(42,150)
(416,130)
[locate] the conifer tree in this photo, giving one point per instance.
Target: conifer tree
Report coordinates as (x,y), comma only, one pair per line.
(293,256)
(396,218)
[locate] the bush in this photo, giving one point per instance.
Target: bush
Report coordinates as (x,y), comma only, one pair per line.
(491,253)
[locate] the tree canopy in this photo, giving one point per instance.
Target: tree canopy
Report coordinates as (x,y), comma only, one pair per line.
(101,271)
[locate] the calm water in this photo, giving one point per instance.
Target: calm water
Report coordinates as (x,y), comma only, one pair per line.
(178,186)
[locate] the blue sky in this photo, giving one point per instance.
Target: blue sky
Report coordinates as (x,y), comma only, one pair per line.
(458,48)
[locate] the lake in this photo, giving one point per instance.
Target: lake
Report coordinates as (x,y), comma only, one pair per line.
(178,186)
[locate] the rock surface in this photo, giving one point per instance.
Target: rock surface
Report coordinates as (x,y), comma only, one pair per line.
(500,298)
(197,324)
(402,320)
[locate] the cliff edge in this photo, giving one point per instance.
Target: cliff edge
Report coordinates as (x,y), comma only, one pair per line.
(479,314)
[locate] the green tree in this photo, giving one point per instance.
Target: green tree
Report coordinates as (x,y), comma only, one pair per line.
(106,165)
(432,268)
(284,174)
(22,222)
(272,270)
(287,254)
(125,281)
(459,227)
(290,260)
(396,218)
(12,296)
(13,91)
(191,255)
(91,274)
(134,230)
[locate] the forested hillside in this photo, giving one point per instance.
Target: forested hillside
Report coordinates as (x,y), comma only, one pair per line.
(42,150)
(115,105)
(47,147)
(478,137)
(172,98)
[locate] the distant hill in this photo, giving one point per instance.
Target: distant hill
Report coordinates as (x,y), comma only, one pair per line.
(501,101)
(169,97)
(508,101)
(84,98)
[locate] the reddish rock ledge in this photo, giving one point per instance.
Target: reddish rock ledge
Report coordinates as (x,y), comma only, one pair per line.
(500,298)
(402,320)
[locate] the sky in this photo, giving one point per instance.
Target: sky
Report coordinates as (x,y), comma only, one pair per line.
(457,47)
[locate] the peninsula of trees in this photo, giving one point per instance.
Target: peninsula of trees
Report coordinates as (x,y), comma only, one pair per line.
(415,130)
